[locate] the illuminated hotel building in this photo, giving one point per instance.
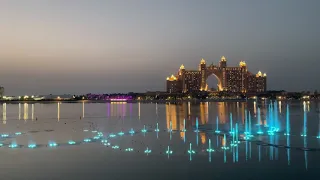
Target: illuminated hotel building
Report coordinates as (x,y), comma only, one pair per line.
(231,79)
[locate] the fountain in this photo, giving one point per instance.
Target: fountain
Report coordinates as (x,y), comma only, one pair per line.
(209,147)
(184,126)
(147,151)
(190,151)
(131,131)
(234,142)
(217,123)
(304,134)
(169,152)
(287,122)
(259,122)
(71,142)
(157,128)
(115,147)
(32,145)
(197,126)
(231,129)
(129,149)
(225,147)
(120,134)
(18,133)
(144,130)
(13,145)
(246,122)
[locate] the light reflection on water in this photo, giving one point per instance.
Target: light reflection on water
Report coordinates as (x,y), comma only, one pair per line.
(113,117)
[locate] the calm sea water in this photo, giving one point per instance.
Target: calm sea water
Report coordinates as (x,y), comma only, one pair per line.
(145,155)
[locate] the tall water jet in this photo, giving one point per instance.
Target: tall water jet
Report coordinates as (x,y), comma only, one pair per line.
(157,130)
(224,146)
(237,134)
(184,125)
(190,151)
(259,122)
(217,123)
(246,122)
(231,129)
(287,122)
(210,150)
(304,134)
(169,152)
(197,126)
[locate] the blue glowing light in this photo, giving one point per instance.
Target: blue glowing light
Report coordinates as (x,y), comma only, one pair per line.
(52,144)
(286,134)
(115,147)
(190,151)
(13,145)
(100,134)
(131,131)
(121,133)
(129,150)
(209,148)
(260,132)
(147,151)
(225,147)
(112,135)
(71,142)
(87,140)
(32,146)
(197,126)
(271,133)
(318,137)
(233,144)
(104,141)
(184,126)
(1,144)
(169,151)
(96,137)
(217,131)
(303,135)
(157,128)
(144,130)
(18,133)
(4,135)
(106,144)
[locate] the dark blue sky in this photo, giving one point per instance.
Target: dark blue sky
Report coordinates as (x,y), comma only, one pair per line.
(119,46)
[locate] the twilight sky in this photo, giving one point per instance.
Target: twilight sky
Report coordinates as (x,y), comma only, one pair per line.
(82,46)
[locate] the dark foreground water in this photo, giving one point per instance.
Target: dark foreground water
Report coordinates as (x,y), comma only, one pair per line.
(128,152)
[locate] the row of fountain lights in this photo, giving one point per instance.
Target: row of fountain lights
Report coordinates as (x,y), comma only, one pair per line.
(234,133)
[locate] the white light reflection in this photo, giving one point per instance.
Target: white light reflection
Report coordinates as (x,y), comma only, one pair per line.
(19,111)
(25,111)
(189,109)
(32,111)
(139,108)
(58,116)
(4,113)
(82,109)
